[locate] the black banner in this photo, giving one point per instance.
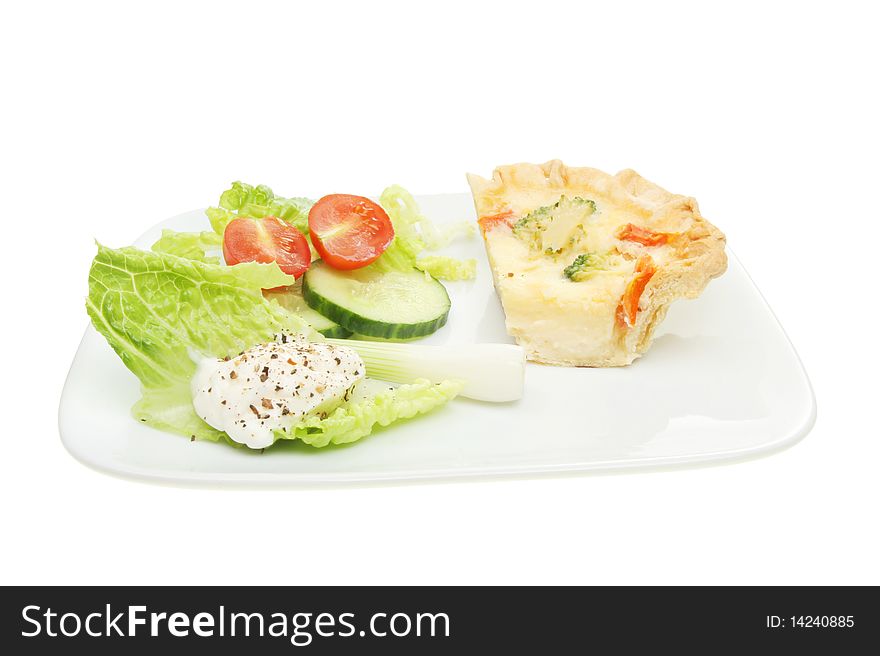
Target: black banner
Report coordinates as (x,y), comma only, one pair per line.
(435,620)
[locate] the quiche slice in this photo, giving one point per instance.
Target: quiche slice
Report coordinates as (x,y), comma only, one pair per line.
(587,263)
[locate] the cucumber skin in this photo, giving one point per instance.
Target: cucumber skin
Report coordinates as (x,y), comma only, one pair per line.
(283,299)
(357,324)
(336,332)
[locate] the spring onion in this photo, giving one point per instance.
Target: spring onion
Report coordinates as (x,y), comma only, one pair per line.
(489,372)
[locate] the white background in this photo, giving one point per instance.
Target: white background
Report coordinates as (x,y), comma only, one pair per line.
(114,118)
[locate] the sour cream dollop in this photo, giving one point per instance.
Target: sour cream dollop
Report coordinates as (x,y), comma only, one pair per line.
(272,386)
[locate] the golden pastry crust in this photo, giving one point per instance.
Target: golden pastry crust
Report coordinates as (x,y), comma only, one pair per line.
(693,256)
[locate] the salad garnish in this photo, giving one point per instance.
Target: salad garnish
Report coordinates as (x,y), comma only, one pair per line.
(204,318)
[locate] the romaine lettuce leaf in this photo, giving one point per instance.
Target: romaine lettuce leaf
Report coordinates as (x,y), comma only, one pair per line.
(447,268)
(241,193)
(219,219)
(356,418)
(170,409)
(414,233)
(258,202)
(191,245)
(155,308)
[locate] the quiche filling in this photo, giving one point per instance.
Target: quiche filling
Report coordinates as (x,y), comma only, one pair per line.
(572,229)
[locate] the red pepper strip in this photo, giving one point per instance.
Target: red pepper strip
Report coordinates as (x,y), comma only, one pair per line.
(629,302)
(489,222)
(642,236)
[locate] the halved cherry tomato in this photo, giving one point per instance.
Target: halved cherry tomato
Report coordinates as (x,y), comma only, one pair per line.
(349,232)
(643,236)
(489,222)
(266,240)
(628,307)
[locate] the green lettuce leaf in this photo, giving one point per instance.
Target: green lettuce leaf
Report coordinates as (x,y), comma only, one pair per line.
(219,218)
(258,202)
(240,194)
(191,245)
(357,418)
(170,409)
(414,233)
(447,268)
(154,308)
(405,216)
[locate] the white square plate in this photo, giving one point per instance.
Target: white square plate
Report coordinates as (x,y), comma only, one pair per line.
(721,382)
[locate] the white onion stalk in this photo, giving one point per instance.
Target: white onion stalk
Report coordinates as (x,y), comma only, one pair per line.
(490,372)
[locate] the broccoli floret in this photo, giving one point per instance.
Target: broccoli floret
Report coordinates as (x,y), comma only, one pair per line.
(529,227)
(584,202)
(582,267)
(555,228)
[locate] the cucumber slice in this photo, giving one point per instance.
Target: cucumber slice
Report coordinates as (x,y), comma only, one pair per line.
(392,304)
(290,298)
